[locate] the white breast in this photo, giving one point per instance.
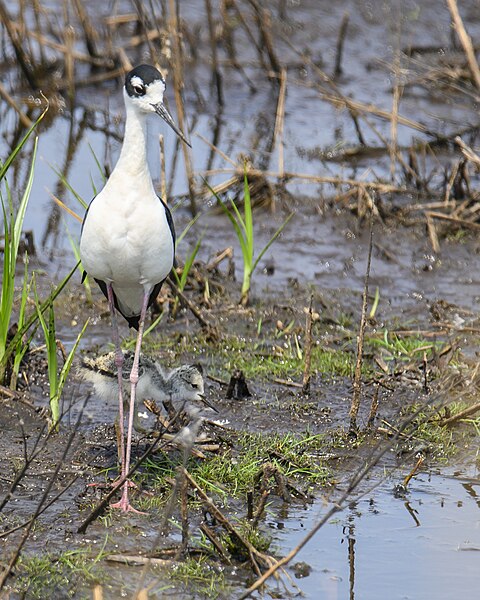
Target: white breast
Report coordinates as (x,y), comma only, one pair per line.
(126,240)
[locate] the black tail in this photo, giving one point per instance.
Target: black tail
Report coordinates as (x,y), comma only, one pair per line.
(133,321)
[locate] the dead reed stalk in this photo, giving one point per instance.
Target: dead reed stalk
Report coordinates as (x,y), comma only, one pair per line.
(418,464)
(177,72)
(24,60)
(394,120)
(342,34)
(280,121)
(465,40)
(357,378)
(373,408)
(308,349)
(461,415)
(90,33)
(264,23)
(217,76)
(163,174)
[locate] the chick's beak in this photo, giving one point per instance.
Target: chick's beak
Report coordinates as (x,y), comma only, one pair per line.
(206,402)
(163,112)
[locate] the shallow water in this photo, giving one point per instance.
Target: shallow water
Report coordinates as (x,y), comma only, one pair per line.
(425,545)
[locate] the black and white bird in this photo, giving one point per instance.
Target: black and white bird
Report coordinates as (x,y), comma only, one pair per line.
(128,239)
(182,387)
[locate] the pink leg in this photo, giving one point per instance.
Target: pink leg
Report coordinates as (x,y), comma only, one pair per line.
(124,504)
(119,365)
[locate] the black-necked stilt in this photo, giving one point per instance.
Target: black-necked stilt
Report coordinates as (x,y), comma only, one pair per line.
(128,238)
(181,386)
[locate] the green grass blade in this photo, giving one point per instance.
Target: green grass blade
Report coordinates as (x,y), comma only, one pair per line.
(50,342)
(97,162)
(21,347)
(5,166)
(188,264)
(6,299)
(247,209)
(20,216)
(238,216)
(272,239)
(34,317)
(238,231)
(187,228)
(68,363)
(76,251)
(75,194)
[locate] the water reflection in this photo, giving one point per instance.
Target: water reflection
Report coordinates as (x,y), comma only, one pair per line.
(385,547)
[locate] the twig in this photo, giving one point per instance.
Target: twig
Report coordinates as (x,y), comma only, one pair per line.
(373,408)
(163,173)
(254,554)
(217,76)
(177,73)
(465,41)
(462,222)
(215,542)
(213,147)
(21,115)
(357,378)
(342,33)
(279,122)
(461,415)
(413,471)
(308,349)
(194,310)
(432,233)
(468,152)
(133,561)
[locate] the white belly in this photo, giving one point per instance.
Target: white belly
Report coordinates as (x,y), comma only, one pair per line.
(127,244)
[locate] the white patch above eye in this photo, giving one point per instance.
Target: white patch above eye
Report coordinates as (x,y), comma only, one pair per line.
(155,91)
(136,81)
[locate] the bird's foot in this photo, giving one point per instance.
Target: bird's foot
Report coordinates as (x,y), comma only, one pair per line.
(125,506)
(124,503)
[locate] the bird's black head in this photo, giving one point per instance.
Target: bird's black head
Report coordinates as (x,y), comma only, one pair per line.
(139,78)
(144,89)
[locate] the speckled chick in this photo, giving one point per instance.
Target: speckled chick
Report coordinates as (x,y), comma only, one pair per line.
(183,384)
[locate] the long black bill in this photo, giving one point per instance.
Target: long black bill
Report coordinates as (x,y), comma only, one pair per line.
(163,112)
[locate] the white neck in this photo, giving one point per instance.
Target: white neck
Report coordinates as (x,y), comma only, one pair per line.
(133,156)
